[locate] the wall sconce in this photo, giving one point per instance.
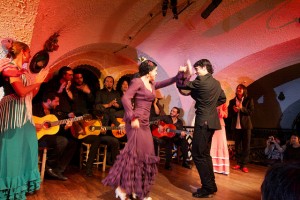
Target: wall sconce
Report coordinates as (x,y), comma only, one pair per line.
(281,96)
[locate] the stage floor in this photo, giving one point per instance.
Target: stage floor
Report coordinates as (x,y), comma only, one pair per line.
(179,183)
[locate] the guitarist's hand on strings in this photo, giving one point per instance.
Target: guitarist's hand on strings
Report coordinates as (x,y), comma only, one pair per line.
(122,128)
(182,134)
(38,127)
(68,125)
(135,123)
(160,128)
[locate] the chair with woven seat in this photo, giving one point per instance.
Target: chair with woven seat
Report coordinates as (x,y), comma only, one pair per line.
(42,161)
(102,154)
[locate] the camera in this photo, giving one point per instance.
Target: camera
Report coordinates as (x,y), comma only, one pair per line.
(271,139)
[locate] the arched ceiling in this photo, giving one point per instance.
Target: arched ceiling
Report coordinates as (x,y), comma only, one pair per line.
(234,31)
(244,39)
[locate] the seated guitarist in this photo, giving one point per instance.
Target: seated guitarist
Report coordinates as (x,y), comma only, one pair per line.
(62,148)
(178,139)
(83,102)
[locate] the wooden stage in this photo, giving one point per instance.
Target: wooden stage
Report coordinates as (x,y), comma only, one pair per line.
(179,183)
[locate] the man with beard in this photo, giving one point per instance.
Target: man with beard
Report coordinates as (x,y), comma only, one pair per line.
(61,149)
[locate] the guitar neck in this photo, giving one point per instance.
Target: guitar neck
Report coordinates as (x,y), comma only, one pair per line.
(104,127)
(176,131)
(64,121)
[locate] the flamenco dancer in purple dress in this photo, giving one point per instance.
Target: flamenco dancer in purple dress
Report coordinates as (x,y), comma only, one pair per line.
(135,168)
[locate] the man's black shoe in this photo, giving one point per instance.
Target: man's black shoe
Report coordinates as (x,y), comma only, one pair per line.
(214,190)
(168,167)
(89,173)
(51,173)
(186,165)
(61,177)
(202,194)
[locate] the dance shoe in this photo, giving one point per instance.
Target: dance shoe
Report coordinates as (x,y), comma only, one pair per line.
(61,176)
(214,190)
(186,165)
(120,194)
(133,195)
(245,169)
(236,167)
(168,167)
(89,173)
(51,172)
(202,194)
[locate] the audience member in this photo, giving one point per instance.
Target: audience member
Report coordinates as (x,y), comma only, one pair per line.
(282,182)
(273,151)
(292,151)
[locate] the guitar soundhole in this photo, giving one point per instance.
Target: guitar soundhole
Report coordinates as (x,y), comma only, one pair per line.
(92,128)
(47,125)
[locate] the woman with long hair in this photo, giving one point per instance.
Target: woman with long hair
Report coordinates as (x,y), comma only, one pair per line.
(19,172)
(135,168)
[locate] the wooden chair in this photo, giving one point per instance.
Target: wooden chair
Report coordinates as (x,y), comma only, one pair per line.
(42,161)
(161,152)
(102,153)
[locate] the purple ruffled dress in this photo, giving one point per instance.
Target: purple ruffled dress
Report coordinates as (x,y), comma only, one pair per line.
(135,167)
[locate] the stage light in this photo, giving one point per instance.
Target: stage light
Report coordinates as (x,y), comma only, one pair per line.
(165,5)
(211,7)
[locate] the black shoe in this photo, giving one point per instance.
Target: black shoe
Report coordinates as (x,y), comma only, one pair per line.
(51,173)
(168,167)
(213,191)
(202,194)
(89,173)
(61,176)
(186,165)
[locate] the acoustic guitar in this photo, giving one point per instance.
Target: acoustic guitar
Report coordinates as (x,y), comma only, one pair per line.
(117,131)
(50,123)
(95,128)
(166,130)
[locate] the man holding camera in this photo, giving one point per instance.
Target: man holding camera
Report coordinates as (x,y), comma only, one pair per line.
(273,151)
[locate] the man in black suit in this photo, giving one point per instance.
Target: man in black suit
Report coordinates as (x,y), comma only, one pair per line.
(208,94)
(239,110)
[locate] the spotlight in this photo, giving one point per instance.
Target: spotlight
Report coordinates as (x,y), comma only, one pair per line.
(165,7)
(174,8)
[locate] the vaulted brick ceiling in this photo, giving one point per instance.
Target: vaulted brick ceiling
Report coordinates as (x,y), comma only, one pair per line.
(244,39)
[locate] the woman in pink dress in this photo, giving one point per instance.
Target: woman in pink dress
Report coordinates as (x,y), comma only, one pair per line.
(135,168)
(219,149)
